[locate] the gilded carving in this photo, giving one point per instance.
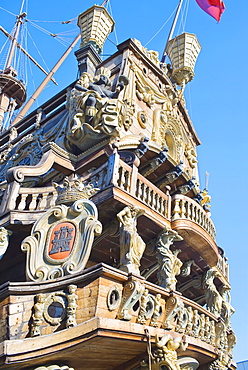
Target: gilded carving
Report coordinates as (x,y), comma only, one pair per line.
(61,240)
(132,292)
(169,263)
(113,298)
(55,308)
(172,307)
(4,240)
(231,342)
(157,311)
(166,352)
(227,310)
(131,244)
(127,113)
(146,310)
(37,316)
(151,54)
(212,296)
(191,155)
(142,119)
(71,306)
(93,111)
(196,324)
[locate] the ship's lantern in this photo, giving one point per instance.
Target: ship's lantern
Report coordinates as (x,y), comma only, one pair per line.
(95,25)
(183,51)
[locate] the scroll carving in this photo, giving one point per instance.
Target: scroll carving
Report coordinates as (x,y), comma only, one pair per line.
(132,292)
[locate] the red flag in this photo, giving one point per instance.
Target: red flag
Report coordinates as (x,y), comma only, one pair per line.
(213,7)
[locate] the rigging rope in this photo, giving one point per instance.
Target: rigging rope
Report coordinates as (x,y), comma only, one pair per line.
(38,51)
(8,11)
(162,26)
(111,13)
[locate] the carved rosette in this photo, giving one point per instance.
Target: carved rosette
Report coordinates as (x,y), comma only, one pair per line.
(61,240)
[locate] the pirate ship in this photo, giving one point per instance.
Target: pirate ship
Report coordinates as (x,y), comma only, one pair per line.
(108,250)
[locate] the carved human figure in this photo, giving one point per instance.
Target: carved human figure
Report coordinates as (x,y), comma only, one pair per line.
(156,311)
(169,263)
(93,111)
(227,310)
(189,326)
(196,324)
(38,315)
(166,352)
(95,92)
(207,329)
(212,296)
(143,305)
(202,327)
(71,306)
(131,244)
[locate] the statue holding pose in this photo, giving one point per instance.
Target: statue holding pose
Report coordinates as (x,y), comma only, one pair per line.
(131,244)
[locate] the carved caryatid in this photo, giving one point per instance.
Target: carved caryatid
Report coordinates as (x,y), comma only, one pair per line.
(169,263)
(4,240)
(61,240)
(131,244)
(227,310)
(93,110)
(212,296)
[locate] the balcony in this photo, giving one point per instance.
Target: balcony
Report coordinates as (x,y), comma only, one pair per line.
(129,186)
(112,309)
(195,226)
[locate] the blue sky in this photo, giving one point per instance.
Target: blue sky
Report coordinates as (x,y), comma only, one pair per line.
(216,100)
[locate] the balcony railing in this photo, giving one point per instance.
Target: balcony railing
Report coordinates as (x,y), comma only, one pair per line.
(114,172)
(188,209)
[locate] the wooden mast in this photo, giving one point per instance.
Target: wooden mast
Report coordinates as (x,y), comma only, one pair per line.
(172,28)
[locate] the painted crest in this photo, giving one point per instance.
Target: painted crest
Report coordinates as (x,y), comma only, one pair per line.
(61,240)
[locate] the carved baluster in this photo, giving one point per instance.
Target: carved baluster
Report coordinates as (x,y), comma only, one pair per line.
(164,213)
(127,183)
(190,211)
(138,189)
(176,210)
(142,195)
(151,198)
(33,203)
(156,201)
(22,203)
(183,209)
(121,179)
(43,202)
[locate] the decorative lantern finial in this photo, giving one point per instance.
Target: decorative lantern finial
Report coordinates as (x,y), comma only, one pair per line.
(95,25)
